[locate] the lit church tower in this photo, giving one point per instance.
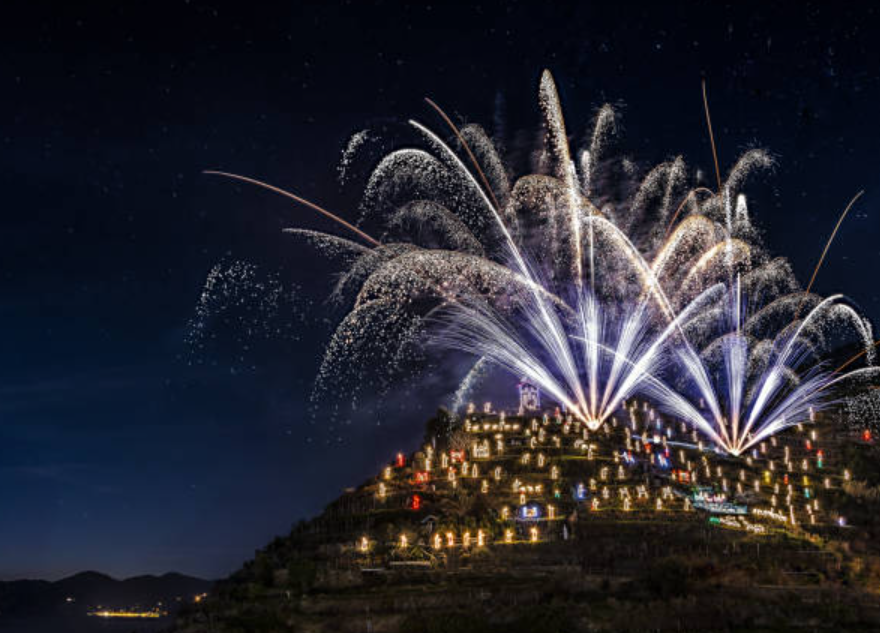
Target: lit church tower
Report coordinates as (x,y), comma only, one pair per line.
(529,396)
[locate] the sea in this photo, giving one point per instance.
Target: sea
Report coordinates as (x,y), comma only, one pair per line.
(82,624)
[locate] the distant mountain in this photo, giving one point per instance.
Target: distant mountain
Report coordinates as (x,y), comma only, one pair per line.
(89,589)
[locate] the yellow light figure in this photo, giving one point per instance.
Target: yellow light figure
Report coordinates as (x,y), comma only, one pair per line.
(484,487)
(364,544)
(403,541)
(466,539)
(592,485)
(381,491)
(603,474)
(505,513)
(626,504)
(522,498)
(605,493)
(386,474)
(450,539)
(659,505)
(438,542)
(481,538)
(551,512)
(594,504)
(498,473)
(508,536)
(533,534)
(554,472)
(541,460)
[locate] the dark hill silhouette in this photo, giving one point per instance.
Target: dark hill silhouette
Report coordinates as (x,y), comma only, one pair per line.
(89,589)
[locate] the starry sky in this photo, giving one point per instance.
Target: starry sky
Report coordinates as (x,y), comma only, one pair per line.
(124,450)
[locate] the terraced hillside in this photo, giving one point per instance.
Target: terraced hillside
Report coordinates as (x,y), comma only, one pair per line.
(509,520)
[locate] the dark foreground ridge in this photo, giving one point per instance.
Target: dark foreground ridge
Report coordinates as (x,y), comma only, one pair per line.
(539,523)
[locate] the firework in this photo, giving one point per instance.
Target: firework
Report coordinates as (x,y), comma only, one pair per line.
(590,285)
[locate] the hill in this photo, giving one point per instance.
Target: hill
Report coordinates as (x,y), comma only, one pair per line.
(541,522)
(89,590)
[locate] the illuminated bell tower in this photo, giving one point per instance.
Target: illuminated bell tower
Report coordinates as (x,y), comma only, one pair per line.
(529,396)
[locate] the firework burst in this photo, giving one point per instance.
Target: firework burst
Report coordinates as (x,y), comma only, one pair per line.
(590,285)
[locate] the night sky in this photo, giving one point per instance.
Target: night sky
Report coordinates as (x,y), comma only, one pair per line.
(123,450)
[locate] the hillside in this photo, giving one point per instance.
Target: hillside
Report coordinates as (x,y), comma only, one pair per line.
(88,590)
(538,522)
